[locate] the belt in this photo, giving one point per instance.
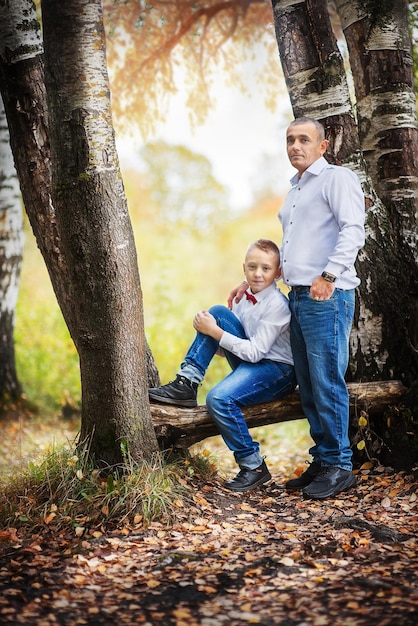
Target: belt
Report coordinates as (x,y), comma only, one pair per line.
(300,287)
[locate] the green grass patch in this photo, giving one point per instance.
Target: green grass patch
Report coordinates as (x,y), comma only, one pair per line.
(63,490)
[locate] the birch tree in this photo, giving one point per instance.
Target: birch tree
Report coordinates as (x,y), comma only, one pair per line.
(379,142)
(11,245)
(74,196)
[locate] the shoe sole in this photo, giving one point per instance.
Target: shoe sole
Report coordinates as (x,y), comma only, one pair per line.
(190,404)
(351,482)
(259,482)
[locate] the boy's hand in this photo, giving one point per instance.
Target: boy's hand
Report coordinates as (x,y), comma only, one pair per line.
(205,323)
(237,293)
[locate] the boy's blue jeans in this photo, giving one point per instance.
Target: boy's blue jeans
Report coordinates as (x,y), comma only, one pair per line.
(248,383)
(319,335)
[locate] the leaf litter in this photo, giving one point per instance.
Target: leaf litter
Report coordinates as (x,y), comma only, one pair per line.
(264,557)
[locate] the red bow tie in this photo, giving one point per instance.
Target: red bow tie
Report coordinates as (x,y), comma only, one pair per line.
(250,297)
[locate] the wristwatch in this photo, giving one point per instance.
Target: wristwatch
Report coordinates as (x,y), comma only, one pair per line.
(329,277)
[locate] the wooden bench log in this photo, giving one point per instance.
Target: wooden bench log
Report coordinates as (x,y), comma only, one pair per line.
(180,428)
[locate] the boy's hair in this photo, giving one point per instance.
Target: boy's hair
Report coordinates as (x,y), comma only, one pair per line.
(267,246)
(305,120)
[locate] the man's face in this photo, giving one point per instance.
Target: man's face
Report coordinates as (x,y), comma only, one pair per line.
(304,145)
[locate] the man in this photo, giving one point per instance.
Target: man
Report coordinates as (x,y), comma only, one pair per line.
(323,230)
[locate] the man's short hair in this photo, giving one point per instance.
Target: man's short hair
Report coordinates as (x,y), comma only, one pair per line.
(305,120)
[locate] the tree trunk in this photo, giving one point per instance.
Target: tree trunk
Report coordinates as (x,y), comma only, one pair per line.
(11,246)
(104,293)
(382,68)
(318,88)
(23,90)
(181,428)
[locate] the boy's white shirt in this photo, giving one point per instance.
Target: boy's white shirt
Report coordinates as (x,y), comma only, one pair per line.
(267,326)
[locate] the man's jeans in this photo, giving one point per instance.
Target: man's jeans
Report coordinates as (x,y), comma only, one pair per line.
(248,383)
(319,335)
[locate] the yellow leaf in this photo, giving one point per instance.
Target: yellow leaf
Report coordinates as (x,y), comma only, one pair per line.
(207,589)
(48,518)
(362,421)
(361,445)
(182,613)
(246,507)
(153,583)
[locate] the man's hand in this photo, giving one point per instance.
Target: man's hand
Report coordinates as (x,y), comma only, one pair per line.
(321,289)
(237,293)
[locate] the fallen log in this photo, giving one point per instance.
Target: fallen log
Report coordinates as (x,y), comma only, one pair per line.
(180,428)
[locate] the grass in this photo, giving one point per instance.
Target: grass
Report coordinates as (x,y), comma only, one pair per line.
(65,491)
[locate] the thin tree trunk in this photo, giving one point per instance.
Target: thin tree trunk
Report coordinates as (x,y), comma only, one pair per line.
(11,246)
(96,235)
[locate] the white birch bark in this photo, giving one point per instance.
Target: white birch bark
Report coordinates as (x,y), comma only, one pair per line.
(381,58)
(11,247)
(96,234)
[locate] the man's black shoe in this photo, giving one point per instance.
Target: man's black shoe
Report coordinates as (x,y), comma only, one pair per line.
(248,479)
(329,482)
(296,484)
(181,392)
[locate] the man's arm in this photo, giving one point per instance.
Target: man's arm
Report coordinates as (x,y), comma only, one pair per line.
(237,293)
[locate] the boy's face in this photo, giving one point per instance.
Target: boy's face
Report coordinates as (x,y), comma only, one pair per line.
(261,269)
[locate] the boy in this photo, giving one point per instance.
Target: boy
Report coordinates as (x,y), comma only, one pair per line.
(255,339)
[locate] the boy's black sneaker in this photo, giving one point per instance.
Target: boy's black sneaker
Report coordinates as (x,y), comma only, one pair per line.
(180,392)
(248,479)
(305,479)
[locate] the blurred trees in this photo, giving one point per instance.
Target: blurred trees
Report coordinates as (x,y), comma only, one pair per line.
(182,188)
(151,44)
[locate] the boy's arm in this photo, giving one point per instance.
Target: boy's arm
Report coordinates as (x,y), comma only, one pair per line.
(274,323)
